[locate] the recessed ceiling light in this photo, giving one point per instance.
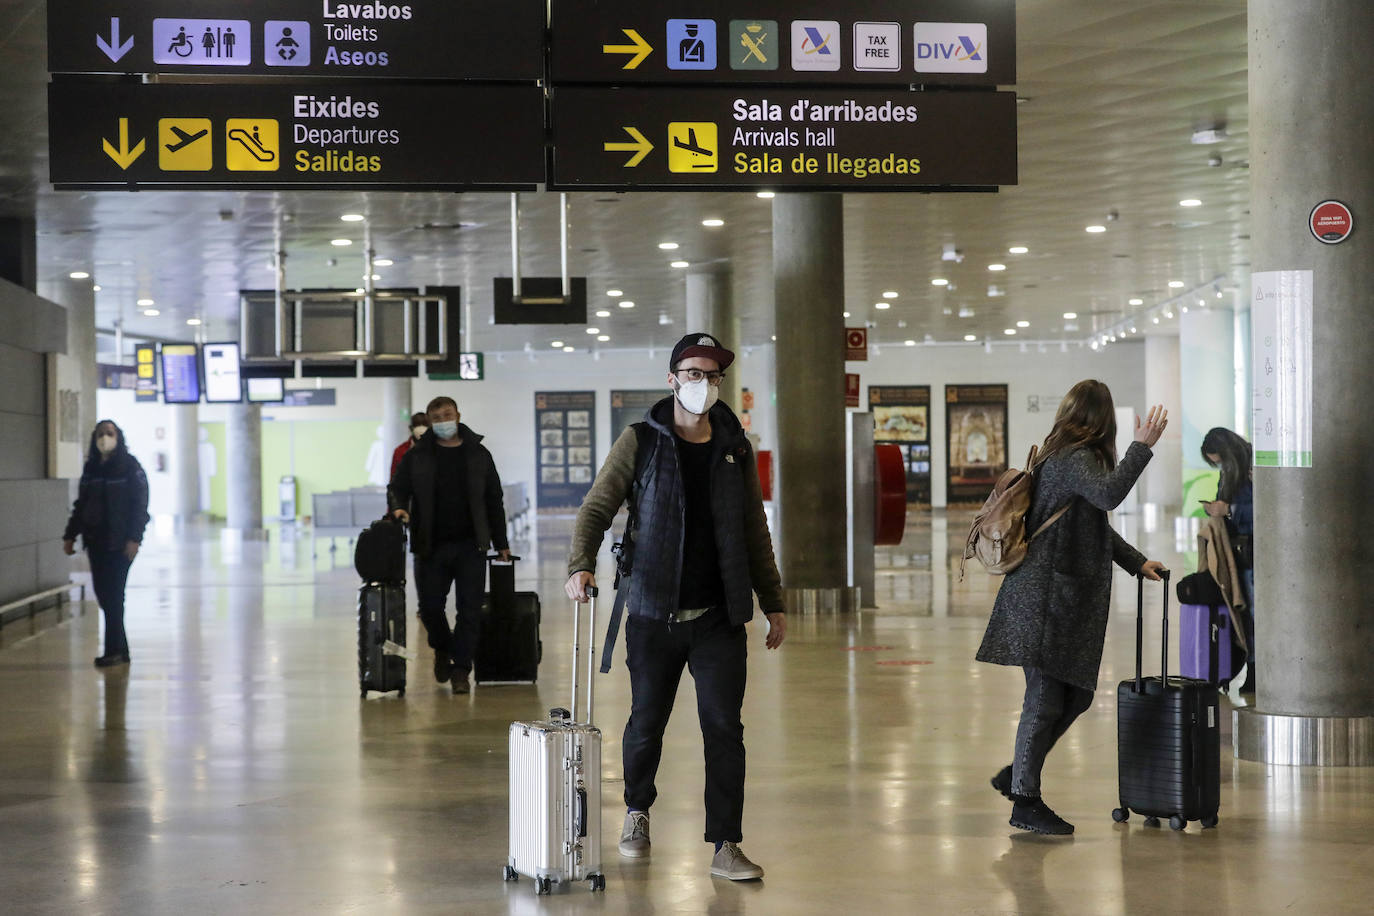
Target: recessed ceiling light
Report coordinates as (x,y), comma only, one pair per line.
(1168,314)
(668,246)
(713,223)
(1175,284)
(1023,324)
(890,294)
(1017,249)
(603,337)
(1184,309)
(353,217)
(557,344)
(79,275)
(602,313)
(997,267)
(593,331)
(568,349)
(1070,316)
(846,314)
(143,302)
(376,277)
(359,291)
(774,336)
(970,337)
(1010,332)
(1190,202)
(615,293)
(767,195)
(1095,229)
(341,243)
(965,312)
(383,262)
(193,322)
(95,288)
(909,343)
(939,281)
(882,306)
(680,264)
(626,304)
(1155,319)
(151,313)
(1135,301)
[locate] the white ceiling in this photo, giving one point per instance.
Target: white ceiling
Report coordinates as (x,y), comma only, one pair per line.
(1113,91)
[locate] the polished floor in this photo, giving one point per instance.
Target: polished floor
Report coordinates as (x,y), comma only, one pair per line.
(233,768)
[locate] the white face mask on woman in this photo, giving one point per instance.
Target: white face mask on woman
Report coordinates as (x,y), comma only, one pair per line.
(106,444)
(697,397)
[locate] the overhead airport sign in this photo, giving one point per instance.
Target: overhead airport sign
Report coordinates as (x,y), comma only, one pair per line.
(873,42)
(320,134)
(728,139)
(497,40)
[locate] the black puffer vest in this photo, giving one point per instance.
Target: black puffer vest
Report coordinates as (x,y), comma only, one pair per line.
(660,517)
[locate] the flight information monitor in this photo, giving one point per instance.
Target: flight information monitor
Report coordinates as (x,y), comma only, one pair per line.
(180,374)
(222,382)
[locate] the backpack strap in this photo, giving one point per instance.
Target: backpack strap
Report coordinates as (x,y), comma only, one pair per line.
(1051,520)
(646,444)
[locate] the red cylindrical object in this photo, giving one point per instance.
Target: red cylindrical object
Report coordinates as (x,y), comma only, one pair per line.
(889,503)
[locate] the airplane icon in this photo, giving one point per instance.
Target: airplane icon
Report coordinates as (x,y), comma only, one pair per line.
(184,139)
(691,145)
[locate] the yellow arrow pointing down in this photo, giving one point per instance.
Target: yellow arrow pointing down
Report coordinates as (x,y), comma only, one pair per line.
(641,147)
(638,51)
(123,157)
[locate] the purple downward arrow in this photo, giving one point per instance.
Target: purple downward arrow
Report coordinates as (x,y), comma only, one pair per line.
(113,49)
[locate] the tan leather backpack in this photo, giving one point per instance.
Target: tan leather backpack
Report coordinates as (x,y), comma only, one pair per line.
(997,536)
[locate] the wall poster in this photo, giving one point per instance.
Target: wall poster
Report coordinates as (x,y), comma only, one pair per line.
(565,431)
(630,407)
(976,433)
(901,417)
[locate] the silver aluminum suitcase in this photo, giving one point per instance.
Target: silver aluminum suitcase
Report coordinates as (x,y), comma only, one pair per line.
(555,788)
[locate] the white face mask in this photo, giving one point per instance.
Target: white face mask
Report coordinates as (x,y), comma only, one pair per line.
(447,429)
(419,431)
(697,397)
(106,444)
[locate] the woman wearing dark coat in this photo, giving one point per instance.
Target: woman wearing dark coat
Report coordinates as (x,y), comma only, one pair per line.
(1235,502)
(1050,617)
(110,515)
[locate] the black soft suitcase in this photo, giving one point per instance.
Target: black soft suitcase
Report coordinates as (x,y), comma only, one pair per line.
(382,638)
(1168,741)
(508,647)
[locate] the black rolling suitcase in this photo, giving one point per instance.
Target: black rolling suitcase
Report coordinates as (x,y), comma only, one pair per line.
(1168,741)
(380,559)
(508,647)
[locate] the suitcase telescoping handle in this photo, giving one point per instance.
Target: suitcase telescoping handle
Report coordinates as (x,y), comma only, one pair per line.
(1140,632)
(591,652)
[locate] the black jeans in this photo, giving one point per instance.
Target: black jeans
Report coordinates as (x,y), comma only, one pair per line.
(716,652)
(1048,710)
(462,565)
(110,573)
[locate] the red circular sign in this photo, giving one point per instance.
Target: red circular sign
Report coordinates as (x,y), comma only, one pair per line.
(1331,222)
(858,339)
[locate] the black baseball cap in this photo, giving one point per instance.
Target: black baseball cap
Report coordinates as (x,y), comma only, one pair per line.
(703,345)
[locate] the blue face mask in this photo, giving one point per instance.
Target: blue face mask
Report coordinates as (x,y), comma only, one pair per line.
(447,429)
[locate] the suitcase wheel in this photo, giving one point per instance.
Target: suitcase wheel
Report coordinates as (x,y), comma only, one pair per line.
(1151,822)
(598,882)
(1177,822)
(1210,822)
(510,874)
(1121,815)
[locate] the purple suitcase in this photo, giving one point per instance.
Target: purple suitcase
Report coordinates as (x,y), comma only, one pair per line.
(1206,642)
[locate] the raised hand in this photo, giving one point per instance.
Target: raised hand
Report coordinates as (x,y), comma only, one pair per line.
(1155,422)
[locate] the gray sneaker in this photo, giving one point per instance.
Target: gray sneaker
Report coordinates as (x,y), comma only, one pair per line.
(634,839)
(732,863)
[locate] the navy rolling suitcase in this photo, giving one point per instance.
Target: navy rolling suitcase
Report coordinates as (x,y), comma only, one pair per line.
(508,649)
(1168,741)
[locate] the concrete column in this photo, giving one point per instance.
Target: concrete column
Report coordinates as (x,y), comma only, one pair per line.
(1207,373)
(74,375)
(396,411)
(1160,484)
(711,308)
(808,271)
(185,460)
(1311,128)
(243,445)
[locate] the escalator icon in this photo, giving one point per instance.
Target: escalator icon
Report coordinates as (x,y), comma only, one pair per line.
(252,145)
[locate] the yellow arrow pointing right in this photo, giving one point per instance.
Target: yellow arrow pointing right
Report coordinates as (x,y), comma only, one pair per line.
(123,157)
(641,147)
(639,50)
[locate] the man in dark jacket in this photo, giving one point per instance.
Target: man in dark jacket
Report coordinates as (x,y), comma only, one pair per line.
(447,487)
(701,550)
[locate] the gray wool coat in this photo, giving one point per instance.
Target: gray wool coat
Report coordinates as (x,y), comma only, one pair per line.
(1051,611)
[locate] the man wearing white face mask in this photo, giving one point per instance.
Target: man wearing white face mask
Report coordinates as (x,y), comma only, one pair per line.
(447,487)
(697,552)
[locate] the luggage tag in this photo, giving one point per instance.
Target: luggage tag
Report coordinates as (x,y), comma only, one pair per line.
(390,647)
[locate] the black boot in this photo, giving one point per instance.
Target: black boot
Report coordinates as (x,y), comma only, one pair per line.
(1034,815)
(1002,781)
